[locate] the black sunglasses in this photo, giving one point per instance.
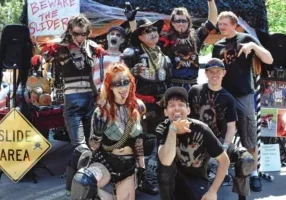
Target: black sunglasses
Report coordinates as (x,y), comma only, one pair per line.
(177,21)
(150,29)
(78,34)
(121,83)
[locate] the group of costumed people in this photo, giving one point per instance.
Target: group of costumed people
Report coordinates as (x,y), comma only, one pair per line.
(127,112)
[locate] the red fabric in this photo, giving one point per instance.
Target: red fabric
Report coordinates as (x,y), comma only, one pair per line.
(36,60)
(99,52)
(145,98)
(51,48)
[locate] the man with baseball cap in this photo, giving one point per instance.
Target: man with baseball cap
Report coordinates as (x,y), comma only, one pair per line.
(185,145)
(115,37)
(213,105)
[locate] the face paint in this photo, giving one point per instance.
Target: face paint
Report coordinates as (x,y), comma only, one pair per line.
(180,23)
(120,87)
(114,39)
(78,34)
(149,36)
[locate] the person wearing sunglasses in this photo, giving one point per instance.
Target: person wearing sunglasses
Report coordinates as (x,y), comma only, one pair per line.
(114,38)
(73,58)
(182,43)
(115,141)
(152,70)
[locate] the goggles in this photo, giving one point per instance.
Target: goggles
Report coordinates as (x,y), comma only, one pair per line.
(121,83)
(150,29)
(79,34)
(183,21)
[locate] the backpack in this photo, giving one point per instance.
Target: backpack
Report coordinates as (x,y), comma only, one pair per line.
(16,50)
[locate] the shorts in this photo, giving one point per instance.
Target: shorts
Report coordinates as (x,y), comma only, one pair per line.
(246,124)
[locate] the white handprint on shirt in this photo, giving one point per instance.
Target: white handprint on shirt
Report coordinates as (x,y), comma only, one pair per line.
(186,154)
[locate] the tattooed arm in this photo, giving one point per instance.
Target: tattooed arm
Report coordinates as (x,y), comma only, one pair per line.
(139,151)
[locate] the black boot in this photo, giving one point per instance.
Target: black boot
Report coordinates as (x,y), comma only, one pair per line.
(150,183)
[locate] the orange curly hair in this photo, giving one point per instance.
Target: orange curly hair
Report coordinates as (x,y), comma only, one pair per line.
(106,98)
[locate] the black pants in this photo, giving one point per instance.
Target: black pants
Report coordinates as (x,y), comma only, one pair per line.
(154,115)
(174,185)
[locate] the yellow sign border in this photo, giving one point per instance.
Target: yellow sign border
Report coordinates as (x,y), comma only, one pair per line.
(38,132)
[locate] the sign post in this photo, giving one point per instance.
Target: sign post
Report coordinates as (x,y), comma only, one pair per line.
(270,158)
(22,145)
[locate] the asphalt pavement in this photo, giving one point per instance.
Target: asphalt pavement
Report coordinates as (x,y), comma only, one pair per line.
(53,187)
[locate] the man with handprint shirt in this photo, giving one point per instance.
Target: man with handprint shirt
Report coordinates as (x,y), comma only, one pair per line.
(185,146)
(236,50)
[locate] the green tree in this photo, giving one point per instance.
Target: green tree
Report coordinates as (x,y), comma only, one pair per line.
(10,11)
(276,15)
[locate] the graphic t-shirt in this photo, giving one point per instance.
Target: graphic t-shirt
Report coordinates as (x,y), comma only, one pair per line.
(193,149)
(215,108)
(183,53)
(238,80)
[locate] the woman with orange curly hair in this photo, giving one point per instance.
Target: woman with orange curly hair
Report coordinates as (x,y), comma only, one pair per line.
(115,140)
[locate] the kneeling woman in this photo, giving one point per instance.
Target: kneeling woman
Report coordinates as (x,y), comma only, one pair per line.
(115,140)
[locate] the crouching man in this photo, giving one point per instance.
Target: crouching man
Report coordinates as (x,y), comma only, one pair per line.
(185,146)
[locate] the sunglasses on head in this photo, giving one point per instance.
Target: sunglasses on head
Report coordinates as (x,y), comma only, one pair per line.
(177,21)
(150,29)
(121,83)
(78,34)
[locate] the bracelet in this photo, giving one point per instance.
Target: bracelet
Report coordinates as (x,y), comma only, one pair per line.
(225,146)
(173,128)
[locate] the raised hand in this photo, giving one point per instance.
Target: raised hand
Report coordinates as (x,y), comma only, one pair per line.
(129,12)
(182,126)
(138,69)
(246,48)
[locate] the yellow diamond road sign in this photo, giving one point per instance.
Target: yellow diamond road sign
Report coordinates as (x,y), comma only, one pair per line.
(21,145)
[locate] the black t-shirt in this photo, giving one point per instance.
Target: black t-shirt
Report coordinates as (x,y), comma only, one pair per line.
(238,80)
(183,55)
(193,149)
(215,108)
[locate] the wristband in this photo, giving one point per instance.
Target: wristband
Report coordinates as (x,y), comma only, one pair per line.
(225,146)
(173,128)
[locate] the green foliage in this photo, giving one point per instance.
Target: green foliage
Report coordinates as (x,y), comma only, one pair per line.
(276,11)
(10,11)
(206,49)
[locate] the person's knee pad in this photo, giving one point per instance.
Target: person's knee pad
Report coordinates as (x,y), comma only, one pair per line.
(77,153)
(244,162)
(84,185)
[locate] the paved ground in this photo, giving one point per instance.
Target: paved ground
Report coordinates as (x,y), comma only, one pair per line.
(52,187)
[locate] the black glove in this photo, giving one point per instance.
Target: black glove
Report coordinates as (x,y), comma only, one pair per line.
(98,126)
(129,12)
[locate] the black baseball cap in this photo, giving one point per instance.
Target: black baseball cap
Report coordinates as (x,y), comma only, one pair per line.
(214,62)
(118,28)
(175,91)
